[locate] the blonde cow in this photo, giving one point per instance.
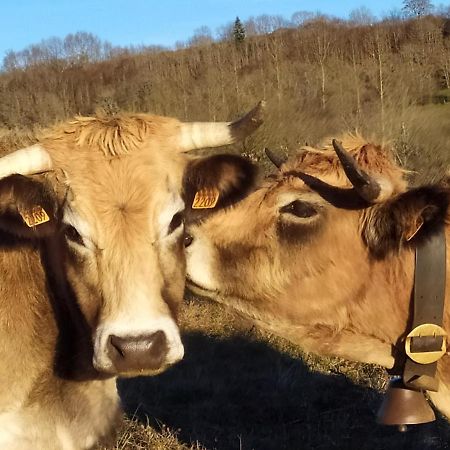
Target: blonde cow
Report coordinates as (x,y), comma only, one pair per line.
(326,262)
(92,265)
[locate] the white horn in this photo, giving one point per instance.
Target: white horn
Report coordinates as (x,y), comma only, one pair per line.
(25,161)
(195,135)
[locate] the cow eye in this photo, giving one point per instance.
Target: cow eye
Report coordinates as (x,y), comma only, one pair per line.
(73,235)
(177,221)
(299,209)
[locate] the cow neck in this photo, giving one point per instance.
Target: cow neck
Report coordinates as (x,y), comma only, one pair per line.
(425,343)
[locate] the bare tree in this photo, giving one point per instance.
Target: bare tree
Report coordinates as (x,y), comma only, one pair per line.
(322,40)
(82,47)
(379,55)
(300,18)
(201,36)
(356,82)
(10,61)
(225,32)
(362,16)
(417,7)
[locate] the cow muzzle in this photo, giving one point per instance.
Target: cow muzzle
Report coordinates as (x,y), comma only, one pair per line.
(144,350)
(139,354)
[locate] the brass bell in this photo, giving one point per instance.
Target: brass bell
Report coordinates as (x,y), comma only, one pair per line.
(404,406)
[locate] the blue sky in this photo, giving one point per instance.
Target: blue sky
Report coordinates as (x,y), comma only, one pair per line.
(149,22)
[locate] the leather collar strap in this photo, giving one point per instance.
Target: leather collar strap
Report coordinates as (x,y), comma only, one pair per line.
(429,298)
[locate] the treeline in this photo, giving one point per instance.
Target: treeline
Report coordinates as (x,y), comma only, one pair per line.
(75,48)
(318,77)
(324,64)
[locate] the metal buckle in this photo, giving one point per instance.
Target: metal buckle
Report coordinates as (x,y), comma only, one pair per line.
(426,329)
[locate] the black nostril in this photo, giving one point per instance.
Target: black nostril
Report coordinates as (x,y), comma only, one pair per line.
(115,344)
(188,240)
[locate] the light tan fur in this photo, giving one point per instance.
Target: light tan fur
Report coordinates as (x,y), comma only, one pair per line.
(116,180)
(313,280)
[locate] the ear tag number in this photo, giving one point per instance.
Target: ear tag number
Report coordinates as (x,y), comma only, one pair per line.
(206,198)
(35,216)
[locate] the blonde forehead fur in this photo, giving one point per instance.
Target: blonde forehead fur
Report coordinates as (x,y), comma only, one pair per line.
(116,165)
(98,147)
(323,162)
(115,135)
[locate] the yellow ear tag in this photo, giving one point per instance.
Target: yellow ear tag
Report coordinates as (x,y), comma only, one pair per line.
(35,216)
(205,198)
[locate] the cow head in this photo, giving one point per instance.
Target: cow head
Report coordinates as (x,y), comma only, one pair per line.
(315,235)
(104,198)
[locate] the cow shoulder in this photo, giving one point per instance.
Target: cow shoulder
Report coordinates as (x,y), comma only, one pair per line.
(28,206)
(405,219)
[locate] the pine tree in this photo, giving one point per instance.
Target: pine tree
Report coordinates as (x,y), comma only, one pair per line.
(238,31)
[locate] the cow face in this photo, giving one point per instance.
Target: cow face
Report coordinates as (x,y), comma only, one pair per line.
(111,227)
(123,226)
(297,248)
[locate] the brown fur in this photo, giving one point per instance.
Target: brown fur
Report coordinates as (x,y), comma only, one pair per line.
(231,175)
(18,193)
(116,177)
(338,282)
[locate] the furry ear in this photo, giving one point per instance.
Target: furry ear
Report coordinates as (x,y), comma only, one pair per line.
(216,182)
(405,219)
(28,206)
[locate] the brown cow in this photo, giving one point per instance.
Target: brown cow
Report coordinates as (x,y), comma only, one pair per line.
(93,267)
(325,264)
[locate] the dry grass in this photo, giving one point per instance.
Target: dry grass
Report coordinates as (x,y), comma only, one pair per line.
(241,388)
(138,436)
(13,139)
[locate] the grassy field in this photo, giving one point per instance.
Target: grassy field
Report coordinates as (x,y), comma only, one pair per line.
(241,389)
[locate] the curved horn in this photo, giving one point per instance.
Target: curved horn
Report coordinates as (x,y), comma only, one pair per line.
(276,159)
(25,161)
(366,186)
(196,135)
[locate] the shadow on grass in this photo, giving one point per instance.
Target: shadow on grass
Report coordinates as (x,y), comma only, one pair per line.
(236,393)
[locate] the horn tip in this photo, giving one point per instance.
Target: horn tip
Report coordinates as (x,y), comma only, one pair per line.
(276,160)
(247,124)
(337,145)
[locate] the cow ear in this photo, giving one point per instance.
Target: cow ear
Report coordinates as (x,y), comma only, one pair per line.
(28,206)
(217,181)
(405,219)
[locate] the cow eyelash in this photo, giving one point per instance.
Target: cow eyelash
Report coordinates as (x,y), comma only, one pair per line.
(300,209)
(176,222)
(72,235)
